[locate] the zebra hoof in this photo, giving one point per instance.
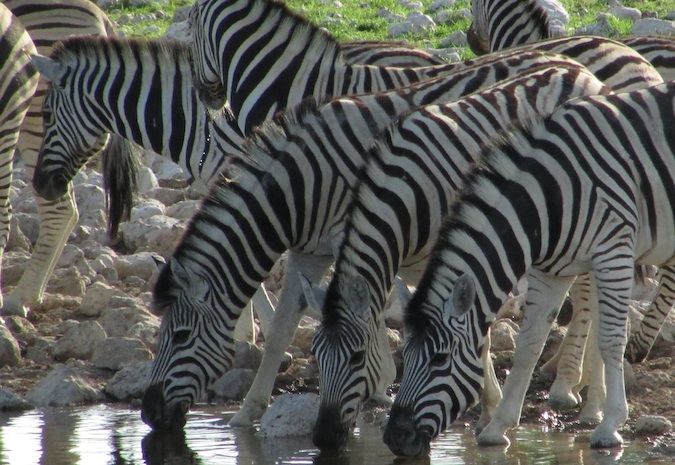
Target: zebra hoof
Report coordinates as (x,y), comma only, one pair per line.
(590,416)
(602,439)
(562,402)
(492,438)
(13,307)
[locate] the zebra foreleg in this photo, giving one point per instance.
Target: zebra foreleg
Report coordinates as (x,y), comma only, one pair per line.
(614,283)
(286,318)
(491,395)
(563,393)
(545,296)
(57,220)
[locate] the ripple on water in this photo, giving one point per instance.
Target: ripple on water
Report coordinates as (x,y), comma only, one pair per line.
(112,435)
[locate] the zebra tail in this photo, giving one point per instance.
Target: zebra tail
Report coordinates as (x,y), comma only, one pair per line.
(120,174)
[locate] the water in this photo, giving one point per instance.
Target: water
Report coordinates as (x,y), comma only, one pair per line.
(110,435)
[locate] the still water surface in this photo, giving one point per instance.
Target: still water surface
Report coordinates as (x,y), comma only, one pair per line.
(109,435)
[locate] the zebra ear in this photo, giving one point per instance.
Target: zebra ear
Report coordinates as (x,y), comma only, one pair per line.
(463,296)
(355,290)
(404,294)
(190,283)
(314,295)
(49,69)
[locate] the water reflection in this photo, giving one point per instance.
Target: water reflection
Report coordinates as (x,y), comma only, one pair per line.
(115,436)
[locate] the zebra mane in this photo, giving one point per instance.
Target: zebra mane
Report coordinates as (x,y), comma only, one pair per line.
(167,50)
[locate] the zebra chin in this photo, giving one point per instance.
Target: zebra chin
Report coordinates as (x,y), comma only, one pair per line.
(50,186)
(402,436)
(158,415)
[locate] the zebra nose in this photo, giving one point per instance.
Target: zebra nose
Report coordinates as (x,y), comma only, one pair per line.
(329,431)
(49,186)
(158,415)
(401,435)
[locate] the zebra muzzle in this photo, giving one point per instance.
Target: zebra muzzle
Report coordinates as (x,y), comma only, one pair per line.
(402,436)
(159,415)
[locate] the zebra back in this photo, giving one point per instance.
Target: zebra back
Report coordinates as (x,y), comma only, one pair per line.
(660,51)
(501,24)
(387,53)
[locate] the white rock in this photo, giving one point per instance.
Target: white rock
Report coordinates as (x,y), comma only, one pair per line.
(68,281)
(503,335)
(40,351)
(233,385)
(129,382)
(146,180)
(63,386)
(90,199)
(115,352)
(29,224)
(601,27)
(624,12)
(119,321)
(167,195)
(415,23)
(653,424)
(79,341)
(653,26)
(411,5)
(102,262)
(147,332)
(183,210)
(456,39)
(389,15)
(158,233)
(440,4)
(180,31)
(163,168)
(11,401)
(145,209)
(290,415)
(246,355)
(142,264)
(97,299)
(304,334)
(10,354)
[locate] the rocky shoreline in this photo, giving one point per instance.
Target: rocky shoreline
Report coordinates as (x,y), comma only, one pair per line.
(92,339)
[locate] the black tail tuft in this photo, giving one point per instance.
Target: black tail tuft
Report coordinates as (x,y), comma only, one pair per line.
(120,168)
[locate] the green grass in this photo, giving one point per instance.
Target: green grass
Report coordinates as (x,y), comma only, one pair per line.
(353,21)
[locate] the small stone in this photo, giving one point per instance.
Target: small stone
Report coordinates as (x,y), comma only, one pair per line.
(115,352)
(10,354)
(63,386)
(653,424)
(232,386)
(129,382)
(11,401)
(652,26)
(79,341)
(246,355)
(290,415)
(503,335)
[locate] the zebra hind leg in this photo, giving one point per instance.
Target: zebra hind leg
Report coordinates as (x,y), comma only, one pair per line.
(57,220)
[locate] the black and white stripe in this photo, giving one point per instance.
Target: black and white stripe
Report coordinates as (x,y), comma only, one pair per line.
(18,81)
(291,195)
(588,189)
(501,24)
(47,22)
(401,195)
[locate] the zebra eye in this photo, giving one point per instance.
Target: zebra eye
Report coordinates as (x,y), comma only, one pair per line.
(357,358)
(439,359)
(180,336)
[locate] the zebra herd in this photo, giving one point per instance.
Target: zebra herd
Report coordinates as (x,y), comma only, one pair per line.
(550,161)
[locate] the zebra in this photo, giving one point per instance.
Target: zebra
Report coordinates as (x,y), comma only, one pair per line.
(317,150)
(400,197)
(18,81)
(198,140)
(659,50)
(587,189)
(500,24)
(262,58)
(46,22)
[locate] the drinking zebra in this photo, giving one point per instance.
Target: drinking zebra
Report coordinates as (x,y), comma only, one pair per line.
(499,25)
(587,189)
(47,22)
(400,198)
(18,81)
(290,194)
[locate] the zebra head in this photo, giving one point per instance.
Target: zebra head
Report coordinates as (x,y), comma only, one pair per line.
(442,374)
(206,59)
(69,139)
(347,350)
(194,347)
